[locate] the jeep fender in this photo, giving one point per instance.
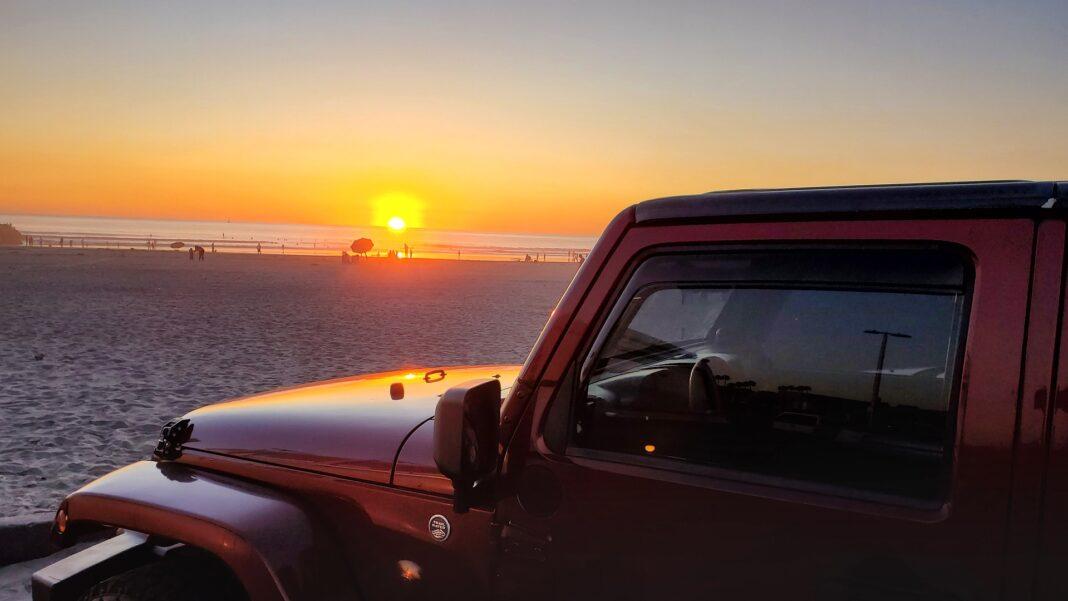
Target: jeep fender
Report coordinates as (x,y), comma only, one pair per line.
(277,550)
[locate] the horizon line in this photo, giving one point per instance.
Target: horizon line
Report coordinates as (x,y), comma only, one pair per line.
(426,229)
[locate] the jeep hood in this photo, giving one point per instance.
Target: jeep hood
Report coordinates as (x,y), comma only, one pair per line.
(349,427)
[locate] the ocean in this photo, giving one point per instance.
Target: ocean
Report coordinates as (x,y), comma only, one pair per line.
(274,238)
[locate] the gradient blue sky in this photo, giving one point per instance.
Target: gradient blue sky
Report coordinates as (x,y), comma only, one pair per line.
(545,117)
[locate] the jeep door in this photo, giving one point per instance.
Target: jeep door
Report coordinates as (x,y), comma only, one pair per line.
(827,412)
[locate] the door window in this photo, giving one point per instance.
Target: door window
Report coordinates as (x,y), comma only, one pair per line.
(843,380)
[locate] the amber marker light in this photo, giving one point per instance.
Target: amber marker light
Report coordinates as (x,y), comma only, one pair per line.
(61,521)
(60,524)
(650,448)
(409,570)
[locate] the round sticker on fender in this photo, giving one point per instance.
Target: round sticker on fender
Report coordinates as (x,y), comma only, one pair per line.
(439,528)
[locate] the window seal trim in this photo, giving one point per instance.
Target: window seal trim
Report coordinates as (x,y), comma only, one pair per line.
(775,488)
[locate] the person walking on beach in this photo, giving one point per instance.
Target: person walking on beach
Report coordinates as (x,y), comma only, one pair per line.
(200,252)
(213,248)
(259,248)
(190,253)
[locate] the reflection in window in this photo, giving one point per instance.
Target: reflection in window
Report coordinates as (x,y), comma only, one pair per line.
(836,386)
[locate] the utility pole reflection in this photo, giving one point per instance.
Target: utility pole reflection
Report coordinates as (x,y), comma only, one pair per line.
(879,370)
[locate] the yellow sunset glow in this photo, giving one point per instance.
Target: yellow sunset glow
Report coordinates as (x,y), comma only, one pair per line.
(475,124)
(397,211)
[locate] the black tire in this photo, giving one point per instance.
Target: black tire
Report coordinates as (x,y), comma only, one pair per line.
(172,579)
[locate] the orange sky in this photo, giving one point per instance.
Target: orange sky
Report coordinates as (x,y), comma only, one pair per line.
(516,119)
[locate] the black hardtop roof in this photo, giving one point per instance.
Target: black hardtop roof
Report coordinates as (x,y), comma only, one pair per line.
(1008,197)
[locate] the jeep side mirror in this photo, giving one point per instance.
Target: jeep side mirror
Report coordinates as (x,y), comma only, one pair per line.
(466,435)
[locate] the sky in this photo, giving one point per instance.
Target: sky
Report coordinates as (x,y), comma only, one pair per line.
(541,117)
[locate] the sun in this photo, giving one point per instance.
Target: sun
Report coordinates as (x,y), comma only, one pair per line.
(397,212)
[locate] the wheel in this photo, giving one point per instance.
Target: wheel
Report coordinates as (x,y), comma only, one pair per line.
(170,579)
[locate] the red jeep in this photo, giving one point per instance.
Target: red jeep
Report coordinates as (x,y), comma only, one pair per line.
(833,393)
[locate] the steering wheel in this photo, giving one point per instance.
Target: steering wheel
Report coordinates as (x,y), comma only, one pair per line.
(704,390)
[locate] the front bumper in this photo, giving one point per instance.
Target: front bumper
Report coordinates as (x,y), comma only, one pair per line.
(68,578)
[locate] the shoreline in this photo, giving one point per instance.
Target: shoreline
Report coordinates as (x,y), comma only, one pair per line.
(334,254)
(322,240)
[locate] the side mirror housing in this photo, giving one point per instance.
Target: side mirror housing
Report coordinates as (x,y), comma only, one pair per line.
(466,435)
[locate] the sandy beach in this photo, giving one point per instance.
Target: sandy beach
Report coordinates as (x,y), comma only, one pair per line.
(131,339)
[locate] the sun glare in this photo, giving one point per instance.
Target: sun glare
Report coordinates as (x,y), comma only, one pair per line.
(398,211)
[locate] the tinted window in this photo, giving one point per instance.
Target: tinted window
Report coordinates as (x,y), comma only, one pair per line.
(841,384)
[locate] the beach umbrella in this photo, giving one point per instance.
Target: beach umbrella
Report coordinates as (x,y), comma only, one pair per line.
(362,246)
(177,245)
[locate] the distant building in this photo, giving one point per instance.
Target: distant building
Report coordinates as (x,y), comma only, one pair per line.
(9,236)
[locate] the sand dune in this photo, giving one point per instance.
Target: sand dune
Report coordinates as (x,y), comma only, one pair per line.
(131,339)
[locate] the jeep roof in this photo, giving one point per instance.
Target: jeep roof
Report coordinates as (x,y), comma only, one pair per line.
(1001,197)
